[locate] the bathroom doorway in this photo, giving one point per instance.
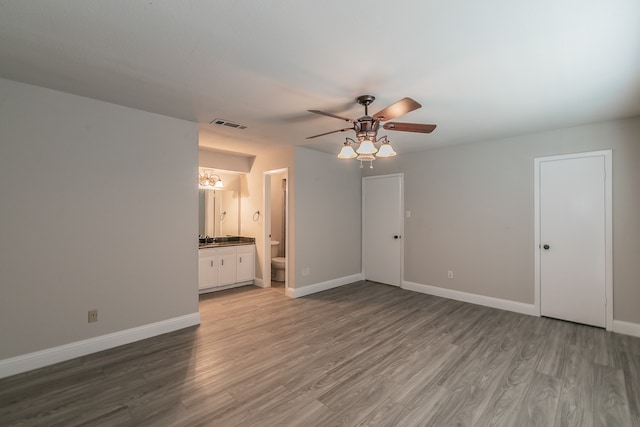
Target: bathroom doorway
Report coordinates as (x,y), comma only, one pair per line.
(276,229)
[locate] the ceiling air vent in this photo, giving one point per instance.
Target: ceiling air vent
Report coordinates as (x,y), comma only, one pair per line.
(227,123)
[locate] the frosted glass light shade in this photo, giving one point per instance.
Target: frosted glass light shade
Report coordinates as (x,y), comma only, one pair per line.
(386,150)
(219,184)
(366,147)
(347,152)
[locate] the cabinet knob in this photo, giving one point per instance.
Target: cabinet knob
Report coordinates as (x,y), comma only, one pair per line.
(211,263)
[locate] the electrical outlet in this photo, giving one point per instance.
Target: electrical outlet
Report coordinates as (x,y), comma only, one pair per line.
(450,274)
(93,316)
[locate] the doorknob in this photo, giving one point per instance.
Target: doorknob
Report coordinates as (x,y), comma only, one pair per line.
(546,247)
(396,237)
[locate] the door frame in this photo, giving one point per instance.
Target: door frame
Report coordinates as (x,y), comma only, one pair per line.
(608,241)
(372,177)
(266,229)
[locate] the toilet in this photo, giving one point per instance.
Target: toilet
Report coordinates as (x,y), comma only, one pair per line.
(277,263)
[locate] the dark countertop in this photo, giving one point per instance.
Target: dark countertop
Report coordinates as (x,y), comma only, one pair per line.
(228,241)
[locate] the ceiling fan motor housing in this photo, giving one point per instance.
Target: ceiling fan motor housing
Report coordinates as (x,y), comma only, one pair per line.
(366,128)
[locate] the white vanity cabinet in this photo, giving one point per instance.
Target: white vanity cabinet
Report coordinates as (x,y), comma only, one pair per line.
(208,268)
(246,256)
(225,267)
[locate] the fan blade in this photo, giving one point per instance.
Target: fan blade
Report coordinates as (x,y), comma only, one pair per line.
(404,106)
(332,115)
(327,133)
(409,127)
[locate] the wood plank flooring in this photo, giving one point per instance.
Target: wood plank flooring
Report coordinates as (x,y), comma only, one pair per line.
(361,354)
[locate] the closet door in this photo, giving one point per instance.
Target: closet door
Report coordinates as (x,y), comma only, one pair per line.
(382,227)
(573,239)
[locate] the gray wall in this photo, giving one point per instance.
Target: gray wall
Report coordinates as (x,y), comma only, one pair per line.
(328,200)
(472,211)
(99,210)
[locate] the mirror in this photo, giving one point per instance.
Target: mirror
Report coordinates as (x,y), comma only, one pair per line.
(219,210)
(219,213)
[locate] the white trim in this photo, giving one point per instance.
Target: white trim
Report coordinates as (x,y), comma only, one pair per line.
(608,194)
(265,282)
(287,233)
(502,304)
(39,359)
(322,286)
(258,282)
(266,230)
(536,235)
(626,328)
(608,165)
(223,287)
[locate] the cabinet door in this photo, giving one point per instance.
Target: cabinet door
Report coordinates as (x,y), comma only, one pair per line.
(208,271)
(226,266)
(246,263)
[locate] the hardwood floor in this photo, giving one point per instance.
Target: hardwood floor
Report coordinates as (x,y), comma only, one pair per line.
(362,354)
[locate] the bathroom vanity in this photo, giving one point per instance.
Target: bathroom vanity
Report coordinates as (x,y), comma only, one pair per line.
(226,263)
(226,260)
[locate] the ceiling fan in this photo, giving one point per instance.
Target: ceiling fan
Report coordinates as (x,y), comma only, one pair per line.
(366,127)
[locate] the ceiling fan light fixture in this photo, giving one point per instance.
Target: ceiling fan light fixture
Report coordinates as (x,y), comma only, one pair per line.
(347,151)
(369,146)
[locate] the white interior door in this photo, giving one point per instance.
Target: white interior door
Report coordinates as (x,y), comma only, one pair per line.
(572,241)
(382,206)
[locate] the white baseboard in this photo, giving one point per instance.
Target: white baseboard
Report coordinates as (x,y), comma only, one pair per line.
(39,359)
(502,304)
(626,328)
(222,288)
(258,282)
(323,286)
(619,326)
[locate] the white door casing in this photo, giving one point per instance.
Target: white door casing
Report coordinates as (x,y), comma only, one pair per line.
(573,238)
(382,228)
(266,235)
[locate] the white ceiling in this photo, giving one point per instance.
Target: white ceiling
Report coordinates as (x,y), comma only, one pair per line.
(481,69)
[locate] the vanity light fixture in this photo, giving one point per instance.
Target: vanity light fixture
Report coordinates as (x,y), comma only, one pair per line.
(367,150)
(209,180)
